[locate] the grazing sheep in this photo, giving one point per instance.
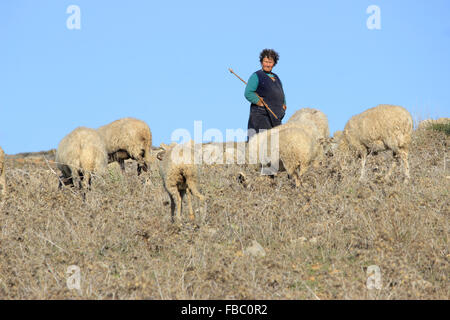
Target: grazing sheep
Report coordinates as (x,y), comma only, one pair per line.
(425,124)
(260,145)
(384,127)
(128,138)
(80,153)
(298,150)
(311,116)
(313,121)
(179,175)
(223,153)
(2,175)
(263,150)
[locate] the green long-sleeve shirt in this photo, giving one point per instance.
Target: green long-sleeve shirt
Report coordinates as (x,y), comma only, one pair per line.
(251,87)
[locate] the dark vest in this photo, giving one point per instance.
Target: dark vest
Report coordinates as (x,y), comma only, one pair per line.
(272,93)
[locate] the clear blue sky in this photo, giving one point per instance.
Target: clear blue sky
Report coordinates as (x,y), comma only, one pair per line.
(166,62)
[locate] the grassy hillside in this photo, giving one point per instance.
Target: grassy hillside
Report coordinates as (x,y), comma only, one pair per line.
(318,239)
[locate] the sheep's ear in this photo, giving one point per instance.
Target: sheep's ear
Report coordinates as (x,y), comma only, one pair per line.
(161,155)
(337,134)
(163,146)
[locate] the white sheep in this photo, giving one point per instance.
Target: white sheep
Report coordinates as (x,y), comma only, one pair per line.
(384,127)
(308,116)
(214,153)
(263,146)
(79,154)
(298,149)
(425,124)
(292,147)
(2,175)
(128,138)
(179,175)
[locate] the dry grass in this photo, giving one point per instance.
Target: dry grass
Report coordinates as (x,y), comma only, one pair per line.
(319,239)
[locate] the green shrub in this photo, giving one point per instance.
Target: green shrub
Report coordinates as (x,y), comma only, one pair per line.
(444,127)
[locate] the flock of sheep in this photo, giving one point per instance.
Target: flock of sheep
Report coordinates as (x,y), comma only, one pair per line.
(302,141)
(304,138)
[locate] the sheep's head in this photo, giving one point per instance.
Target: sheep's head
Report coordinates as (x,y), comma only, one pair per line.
(333,144)
(160,156)
(327,145)
(164,149)
(142,167)
(340,143)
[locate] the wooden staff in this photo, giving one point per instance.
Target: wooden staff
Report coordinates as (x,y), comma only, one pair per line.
(264,103)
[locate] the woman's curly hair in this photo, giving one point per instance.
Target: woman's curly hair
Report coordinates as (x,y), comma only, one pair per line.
(269,53)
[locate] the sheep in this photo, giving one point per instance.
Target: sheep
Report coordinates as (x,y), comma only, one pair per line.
(298,149)
(311,116)
(80,153)
(330,144)
(179,175)
(311,121)
(128,138)
(425,124)
(2,175)
(223,153)
(384,127)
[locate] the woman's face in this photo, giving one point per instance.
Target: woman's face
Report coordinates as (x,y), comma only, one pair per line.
(267,64)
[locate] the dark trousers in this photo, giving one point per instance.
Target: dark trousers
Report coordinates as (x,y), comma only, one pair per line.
(260,119)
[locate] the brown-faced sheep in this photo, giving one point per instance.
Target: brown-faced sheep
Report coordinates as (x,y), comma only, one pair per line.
(384,127)
(79,154)
(128,138)
(2,175)
(179,175)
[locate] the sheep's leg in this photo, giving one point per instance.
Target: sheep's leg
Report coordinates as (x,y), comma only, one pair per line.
(404,158)
(142,167)
(87,181)
(66,178)
(172,207)
(188,195)
(292,173)
(394,165)
(363,164)
(195,192)
(182,194)
(296,178)
(122,164)
(301,173)
(177,199)
(79,174)
(69,181)
(3,185)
